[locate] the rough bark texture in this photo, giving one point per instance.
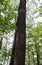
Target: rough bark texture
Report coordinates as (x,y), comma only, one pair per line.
(18,51)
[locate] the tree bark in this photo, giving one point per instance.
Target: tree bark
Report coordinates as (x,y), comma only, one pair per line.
(38,56)
(37,52)
(18,51)
(0,42)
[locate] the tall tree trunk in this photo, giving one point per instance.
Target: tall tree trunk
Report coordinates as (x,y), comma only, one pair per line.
(38,56)
(18,51)
(0,42)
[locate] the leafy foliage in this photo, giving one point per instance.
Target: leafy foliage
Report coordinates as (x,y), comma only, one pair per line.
(6,15)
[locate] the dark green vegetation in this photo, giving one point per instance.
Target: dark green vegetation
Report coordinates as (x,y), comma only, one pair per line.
(10,20)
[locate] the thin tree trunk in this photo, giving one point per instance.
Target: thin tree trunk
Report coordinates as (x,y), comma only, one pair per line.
(0,42)
(38,56)
(18,51)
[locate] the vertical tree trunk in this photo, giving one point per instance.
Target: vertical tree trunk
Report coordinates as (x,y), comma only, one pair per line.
(37,52)
(38,56)
(18,51)
(0,42)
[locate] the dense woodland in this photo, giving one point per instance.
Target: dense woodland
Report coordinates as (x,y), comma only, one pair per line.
(20,32)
